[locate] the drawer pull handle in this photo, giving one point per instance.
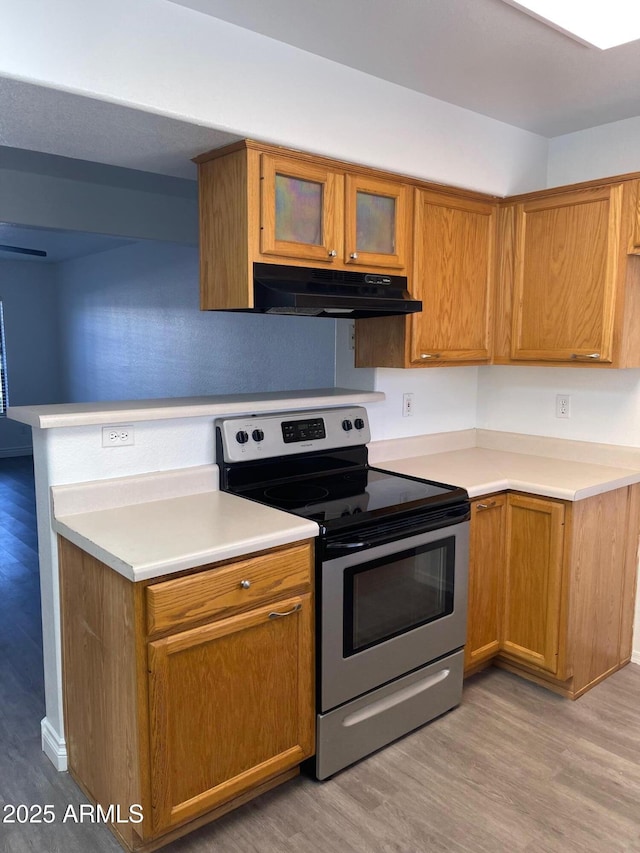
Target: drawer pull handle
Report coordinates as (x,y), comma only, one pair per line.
(430,355)
(332,253)
(245,584)
(354,256)
(275,615)
(593,355)
(488,505)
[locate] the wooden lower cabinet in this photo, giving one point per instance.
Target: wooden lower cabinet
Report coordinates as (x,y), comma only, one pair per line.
(190,722)
(552,586)
(533,581)
(486,579)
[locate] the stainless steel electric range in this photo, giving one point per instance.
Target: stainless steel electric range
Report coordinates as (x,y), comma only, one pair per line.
(391,573)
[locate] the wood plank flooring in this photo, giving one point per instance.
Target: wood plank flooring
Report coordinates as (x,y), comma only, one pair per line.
(515,769)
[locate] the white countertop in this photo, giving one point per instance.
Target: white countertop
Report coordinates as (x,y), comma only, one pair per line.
(132,411)
(149,525)
(154,538)
(481,471)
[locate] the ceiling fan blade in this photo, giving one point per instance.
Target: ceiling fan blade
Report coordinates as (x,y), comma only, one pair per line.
(18,250)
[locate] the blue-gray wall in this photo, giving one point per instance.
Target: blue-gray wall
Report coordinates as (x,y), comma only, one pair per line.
(29,296)
(130,328)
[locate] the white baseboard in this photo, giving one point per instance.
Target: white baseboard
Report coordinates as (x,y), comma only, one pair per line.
(635,656)
(53,746)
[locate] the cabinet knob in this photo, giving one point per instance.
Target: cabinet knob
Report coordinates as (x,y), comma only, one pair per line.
(332,253)
(245,584)
(429,355)
(593,355)
(354,256)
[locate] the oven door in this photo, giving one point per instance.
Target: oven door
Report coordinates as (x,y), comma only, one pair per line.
(390,609)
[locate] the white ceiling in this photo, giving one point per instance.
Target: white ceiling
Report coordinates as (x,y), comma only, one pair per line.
(55,122)
(484,55)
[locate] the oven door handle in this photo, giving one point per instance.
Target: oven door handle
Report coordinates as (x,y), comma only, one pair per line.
(349,545)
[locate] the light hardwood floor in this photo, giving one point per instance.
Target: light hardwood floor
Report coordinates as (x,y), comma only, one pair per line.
(514,768)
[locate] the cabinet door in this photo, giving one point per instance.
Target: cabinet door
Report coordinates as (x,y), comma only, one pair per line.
(454,246)
(533,582)
(567,259)
(376,222)
(486,575)
(231,705)
(298,210)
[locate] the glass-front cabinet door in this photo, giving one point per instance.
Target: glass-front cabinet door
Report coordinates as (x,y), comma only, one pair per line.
(298,210)
(375,222)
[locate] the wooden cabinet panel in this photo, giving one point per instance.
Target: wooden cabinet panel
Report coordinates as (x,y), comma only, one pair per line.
(231,704)
(486,576)
(604,566)
(228,589)
(454,251)
(376,222)
(533,581)
(567,259)
(298,210)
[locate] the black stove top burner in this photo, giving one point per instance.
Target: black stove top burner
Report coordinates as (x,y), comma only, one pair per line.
(295,493)
(337,498)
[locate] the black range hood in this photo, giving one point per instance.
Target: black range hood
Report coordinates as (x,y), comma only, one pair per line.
(279,289)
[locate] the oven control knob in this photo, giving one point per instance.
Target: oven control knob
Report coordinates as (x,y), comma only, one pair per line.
(242,437)
(347,425)
(358,423)
(257,435)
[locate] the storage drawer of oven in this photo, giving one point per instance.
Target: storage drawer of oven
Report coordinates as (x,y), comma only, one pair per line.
(230,588)
(358,728)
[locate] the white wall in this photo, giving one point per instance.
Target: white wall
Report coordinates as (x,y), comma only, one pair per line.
(28,294)
(131,328)
(598,152)
(445,398)
(159,57)
(605,404)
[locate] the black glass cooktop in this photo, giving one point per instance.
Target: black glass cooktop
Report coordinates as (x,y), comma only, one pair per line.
(347,495)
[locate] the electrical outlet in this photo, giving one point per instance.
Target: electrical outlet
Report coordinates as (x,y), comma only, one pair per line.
(563,406)
(352,335)
(117,436)
(407,405)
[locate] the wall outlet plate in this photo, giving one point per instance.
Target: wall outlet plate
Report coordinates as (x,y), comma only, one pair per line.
(407,405)
(121,435)
(563,406)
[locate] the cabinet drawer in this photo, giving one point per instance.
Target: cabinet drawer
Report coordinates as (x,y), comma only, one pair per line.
(231,588)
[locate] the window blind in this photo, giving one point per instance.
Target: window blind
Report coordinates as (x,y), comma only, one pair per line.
(4,396)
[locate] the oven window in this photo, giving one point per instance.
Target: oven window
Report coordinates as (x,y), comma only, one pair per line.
(395,594)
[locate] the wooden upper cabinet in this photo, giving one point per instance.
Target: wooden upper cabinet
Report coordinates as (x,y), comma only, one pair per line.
(566,275)
(261,203)
(534,582)
(298,217)
(376,222)
(574,294)
(546,278)
(453,271)
(454,256)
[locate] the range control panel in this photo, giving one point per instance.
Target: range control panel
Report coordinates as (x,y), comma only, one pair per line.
(252,437)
